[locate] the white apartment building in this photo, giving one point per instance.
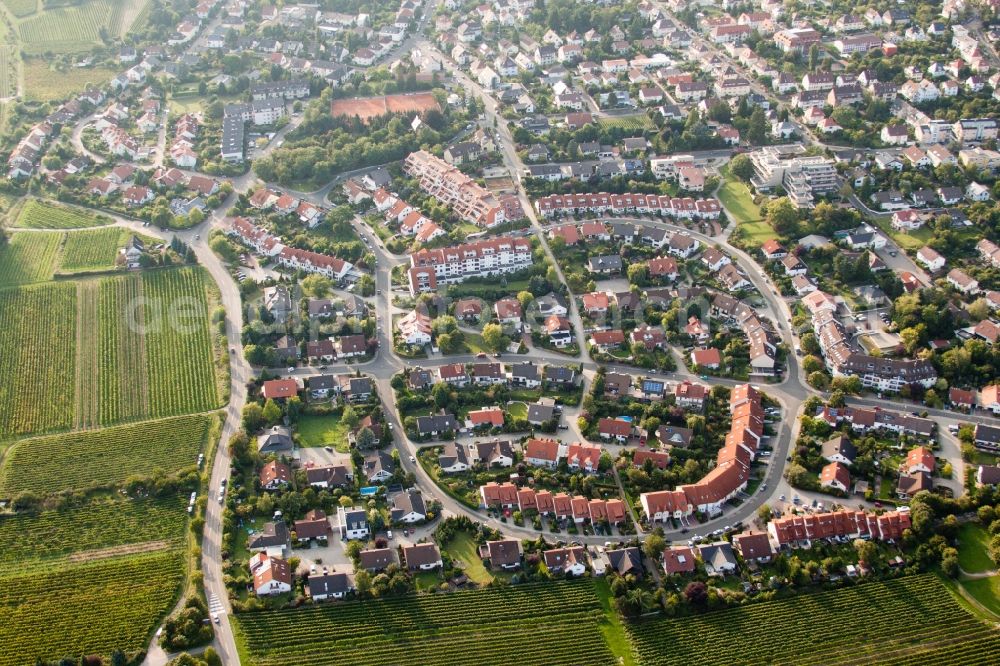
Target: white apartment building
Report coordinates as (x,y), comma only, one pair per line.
(448,265)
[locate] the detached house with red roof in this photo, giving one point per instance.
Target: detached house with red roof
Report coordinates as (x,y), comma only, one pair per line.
(919,459)
(835,475)
(585,456)
(543,452)
(618,429)
(709,357)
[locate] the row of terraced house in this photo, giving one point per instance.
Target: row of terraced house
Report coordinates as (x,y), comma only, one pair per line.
(266,244)
(600,203)
(731,473)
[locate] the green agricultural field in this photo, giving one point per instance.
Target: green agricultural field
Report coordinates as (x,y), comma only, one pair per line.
(83,609)
(37,214)
(77,28)
(154,338)
(636,122)
(28,257)
(859,625)
(550,623)
(102,526)
(21,8)
(79,460)
(94,249)
(36,357)
(178,343)
(8,70)
(320,430)
(43,83)
(973,555)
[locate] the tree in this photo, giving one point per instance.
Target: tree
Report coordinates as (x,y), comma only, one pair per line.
(819,380)
(866,550)
(365,438)
(638,274)
(696,593)
(757,126)
(271,413)
(525,298)
(797,475)
(979,309)
(493,337)
(782,216)
(316,286)
(253,417)
(350,417)
(741,167)
(654,546)
(764,513)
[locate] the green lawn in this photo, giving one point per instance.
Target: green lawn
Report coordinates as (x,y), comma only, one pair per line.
(912,240)
(473,344)
(972,554)
(612,628)
(986,591)
(427,580)
(517,410)
(463,549)
(323,431)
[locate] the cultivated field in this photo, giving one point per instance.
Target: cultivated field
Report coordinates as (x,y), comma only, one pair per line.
(20,8)
(154,340)
(42,83)
(37,214)
(36,357)
(46,539)
(93,250)
(551,624)
(366,108)
(103,457)
(905,621)
(179,361)
(78,27)
(28,258)
(8,70)
(83,609)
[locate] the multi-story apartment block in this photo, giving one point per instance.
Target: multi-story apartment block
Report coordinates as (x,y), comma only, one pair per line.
(494,256)
(802,176)
(470,200)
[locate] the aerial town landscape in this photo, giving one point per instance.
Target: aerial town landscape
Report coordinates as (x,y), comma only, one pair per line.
(442,332)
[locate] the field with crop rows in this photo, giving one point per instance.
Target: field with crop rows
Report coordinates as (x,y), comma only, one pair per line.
(8,70)
(893,622)
(93,249)
(103,457)
(88,608)
(87,406)
(28,258)
(553,623)
(46,539)
(71,29)
(37,214)
(637,122)
(179,363)
(36,357)
(121,351)
(21,8)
